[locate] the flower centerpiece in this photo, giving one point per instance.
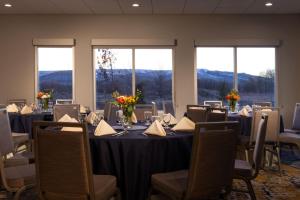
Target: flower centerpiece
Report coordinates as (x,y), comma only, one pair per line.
(126,103)
(44,98)
(232,97)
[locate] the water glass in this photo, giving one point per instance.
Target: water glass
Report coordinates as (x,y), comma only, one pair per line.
(147,117)
(156,117)
(119,114)
(166,120)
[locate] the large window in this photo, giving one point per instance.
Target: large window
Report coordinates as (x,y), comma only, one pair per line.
(126,70)
(250,70)
(55,71)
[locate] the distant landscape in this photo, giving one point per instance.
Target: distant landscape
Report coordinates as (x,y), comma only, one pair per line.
(156,85)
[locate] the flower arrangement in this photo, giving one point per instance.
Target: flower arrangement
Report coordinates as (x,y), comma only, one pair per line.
(126,103)
(232,97)
(44,98)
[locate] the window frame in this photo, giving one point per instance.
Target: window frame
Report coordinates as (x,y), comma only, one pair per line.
(133,80)
(36,79)
(235,69)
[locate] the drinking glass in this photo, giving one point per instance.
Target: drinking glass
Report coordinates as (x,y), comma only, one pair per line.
(147,117)
(156,117)
(119,114)
(166,120)
(125,123)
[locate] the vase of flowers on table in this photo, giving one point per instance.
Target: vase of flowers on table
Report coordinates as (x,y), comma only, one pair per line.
(232,97)
(126,104)
(44,98)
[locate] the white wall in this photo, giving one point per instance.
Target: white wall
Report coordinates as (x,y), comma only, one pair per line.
(17,52)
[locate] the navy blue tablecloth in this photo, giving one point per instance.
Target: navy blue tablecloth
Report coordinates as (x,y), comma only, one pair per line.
(133,158)
(23,123)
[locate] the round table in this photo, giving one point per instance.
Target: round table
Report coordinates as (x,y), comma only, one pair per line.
(20,123)
(133,158)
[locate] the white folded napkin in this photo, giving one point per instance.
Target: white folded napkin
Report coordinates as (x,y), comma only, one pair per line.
(12,108)
(173,120)
(91,118)
(104,128)
(26,110)
(244,112)
(67,118)
(133,118)
(185,124)
(82,109)
(156,129)
(266,110)
(249,109)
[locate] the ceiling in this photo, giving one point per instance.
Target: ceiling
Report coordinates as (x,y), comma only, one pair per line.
(149,7)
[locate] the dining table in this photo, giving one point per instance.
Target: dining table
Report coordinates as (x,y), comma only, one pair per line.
(135,156)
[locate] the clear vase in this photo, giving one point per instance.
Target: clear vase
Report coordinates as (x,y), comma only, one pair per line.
(232,106)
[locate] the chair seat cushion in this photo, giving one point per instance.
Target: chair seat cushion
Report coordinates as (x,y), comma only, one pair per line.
(172,184)
(19,176)
(105,186)
(288,137)
(242,168)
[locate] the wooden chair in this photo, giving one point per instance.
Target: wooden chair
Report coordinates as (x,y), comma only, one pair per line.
(18,102)
(246,170)
(64,101)
(16,173)
(73,110)
(63,164)
(168,107)
(197,113)
(141,108)
(211,168)
(262,104)
(217,115)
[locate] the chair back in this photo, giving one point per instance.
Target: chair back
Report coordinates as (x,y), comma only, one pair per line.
(272,134)
(6,140)
(141,108)
(296,117)
(64,101)
(197,113)
(110,112)
(214,104)
(263,104)
(73,110)
(260,141)
(63,163)
(212,161)
(168,107)
(18,102)
(217,115)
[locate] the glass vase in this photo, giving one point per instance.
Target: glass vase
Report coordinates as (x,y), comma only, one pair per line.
(232,106)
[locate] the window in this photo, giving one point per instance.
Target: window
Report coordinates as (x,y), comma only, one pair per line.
(125,70)
(55,71)
(253,74)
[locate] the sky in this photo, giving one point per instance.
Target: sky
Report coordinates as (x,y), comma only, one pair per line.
(249,60)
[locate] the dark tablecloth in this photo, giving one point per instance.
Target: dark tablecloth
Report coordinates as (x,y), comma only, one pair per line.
(133,158)
(23,123)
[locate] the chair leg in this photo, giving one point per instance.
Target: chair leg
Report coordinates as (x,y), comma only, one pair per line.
(279,160)
(247,154)
(250,189)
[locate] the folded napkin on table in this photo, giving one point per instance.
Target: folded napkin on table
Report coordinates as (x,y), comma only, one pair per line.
(12,108)
(133,118)
(266,110)
(67,118)
(104,128)
(26,110)
(173,120)
(156,129)
(185,124)
(244,112)
(249,109)
(91,118)
(82,109)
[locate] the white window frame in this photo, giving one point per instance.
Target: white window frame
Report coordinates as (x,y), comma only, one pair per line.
(36,79)
(133,48)
(266,44)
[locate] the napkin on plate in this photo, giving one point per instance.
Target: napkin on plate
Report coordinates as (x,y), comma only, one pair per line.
(156,129)
(133,118)
(26,110)
(67,118)
(12,108)
(185,124)
(104,128)
(244,112)
(173,120)
(91,118)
